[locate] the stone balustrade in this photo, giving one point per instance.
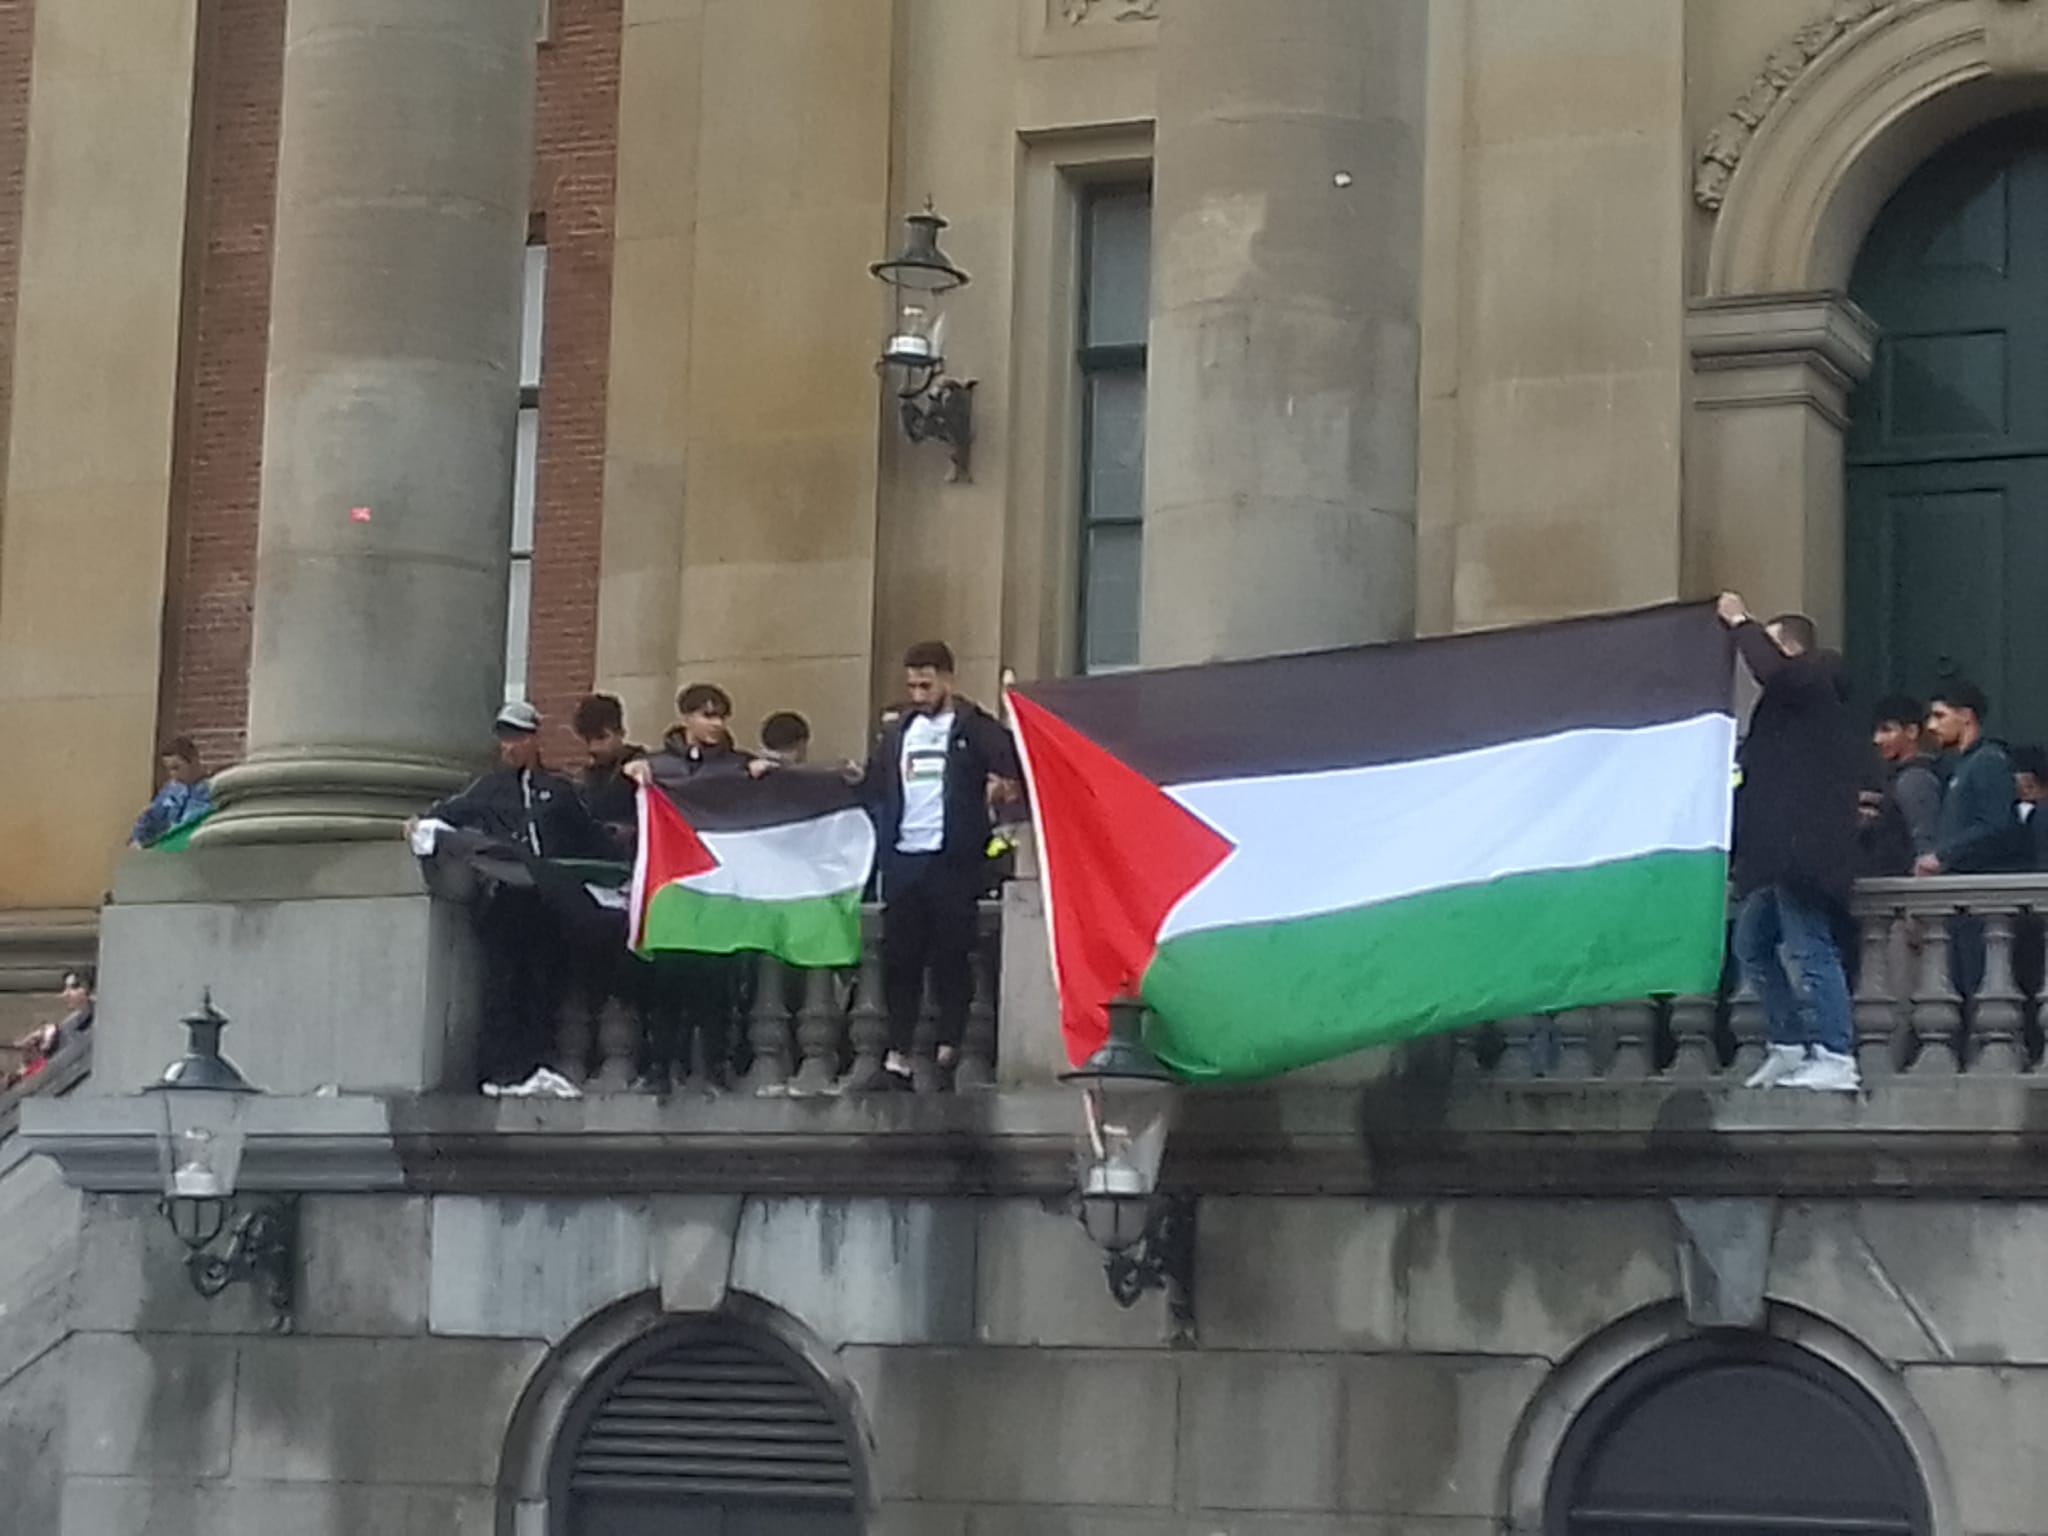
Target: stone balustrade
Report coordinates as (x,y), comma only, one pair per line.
(1946,977)
(813,1032)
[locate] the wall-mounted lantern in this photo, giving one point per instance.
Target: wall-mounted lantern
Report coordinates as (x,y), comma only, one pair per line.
(934,407)
(200,1135)
(1128,1098)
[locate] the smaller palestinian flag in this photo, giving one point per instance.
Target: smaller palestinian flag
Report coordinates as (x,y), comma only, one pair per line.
(775,865)
(1295,858)
(179,838)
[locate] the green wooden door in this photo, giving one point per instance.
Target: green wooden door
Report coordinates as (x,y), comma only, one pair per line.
(1947,536)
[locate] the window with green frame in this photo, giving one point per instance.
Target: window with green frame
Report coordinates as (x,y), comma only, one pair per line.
(1116,289)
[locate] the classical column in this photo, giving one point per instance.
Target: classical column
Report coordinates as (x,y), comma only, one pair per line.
(392,400)
(1287,220)
(1772,376)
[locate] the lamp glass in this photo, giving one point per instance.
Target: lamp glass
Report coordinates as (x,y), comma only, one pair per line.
(1115,1222)
(1123,1135)
(915,324)
(200,1142)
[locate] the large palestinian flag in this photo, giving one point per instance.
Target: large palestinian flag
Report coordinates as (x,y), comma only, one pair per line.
(775,864)
(1296,858)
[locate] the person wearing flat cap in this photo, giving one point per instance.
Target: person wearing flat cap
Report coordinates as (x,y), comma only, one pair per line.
(526,953)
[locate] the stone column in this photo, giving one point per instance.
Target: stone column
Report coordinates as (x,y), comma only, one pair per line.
(1772,375)
(392,402)
(1287,219)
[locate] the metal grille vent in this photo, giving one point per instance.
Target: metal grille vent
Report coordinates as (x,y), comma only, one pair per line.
(715,1419)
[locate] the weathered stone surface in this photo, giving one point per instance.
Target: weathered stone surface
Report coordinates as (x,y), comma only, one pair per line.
(863,1271)
(1724,1260)
(132,1277)
(127,1507)
(160,1406)
(1988,1422)
(32,1416)
(692,1248)
(1040,1282)
(1300,1274)
(377,1411)
(1426,1435)
(1532,1277)
(1260,1431)
(363,1264)
(1019,1426)
(40,1218)
(1921,1280)
(533,1269)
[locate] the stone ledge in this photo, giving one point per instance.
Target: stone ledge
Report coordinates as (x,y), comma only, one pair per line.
(1397,1138)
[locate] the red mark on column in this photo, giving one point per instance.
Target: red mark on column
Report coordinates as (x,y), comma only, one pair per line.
(359,514)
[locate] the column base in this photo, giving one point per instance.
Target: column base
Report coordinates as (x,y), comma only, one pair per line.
(333,964)
(330,798)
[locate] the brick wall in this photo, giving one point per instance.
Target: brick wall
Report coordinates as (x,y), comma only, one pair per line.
(576,141)
(219,451)
(17,45)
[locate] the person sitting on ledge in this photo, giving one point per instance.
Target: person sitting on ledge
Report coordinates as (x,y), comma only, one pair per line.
(185,796)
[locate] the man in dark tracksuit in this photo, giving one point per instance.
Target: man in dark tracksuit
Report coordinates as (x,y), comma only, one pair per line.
(693,995)
(525,952)
(934,773)
(1979,832)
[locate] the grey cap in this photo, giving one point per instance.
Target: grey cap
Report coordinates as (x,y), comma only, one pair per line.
(518,716)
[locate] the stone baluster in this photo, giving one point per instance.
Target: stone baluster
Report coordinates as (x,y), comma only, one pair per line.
(869,1023)
(1694,1057)
(618,1046)
(977,1066)
(820,1033)
(1631,1030)
(1518,1060)
(1473,1049)
(1874,1009)
(768,1027)
(1747,1023)
(1578,1059)
(1995,1018)
(1937,1010)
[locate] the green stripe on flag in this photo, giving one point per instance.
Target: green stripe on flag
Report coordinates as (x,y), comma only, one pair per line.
(179,837)
(817,931)
(1253,1000)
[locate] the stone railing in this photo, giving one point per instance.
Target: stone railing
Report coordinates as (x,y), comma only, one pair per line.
(1946,980)
(810,1032)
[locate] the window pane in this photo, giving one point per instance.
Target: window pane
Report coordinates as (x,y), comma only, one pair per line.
(1116,447)
(1110,617)
(533,311)
(525,477)
(1119,276)
(518,621)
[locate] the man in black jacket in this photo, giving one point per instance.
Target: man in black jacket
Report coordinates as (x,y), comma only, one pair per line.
(526,952)
(1980,831)
(1898,814)
(608,794)
(936,770)
(1795,849)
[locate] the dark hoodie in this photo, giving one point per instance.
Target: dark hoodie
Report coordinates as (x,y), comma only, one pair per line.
(678,762)
(1795,814)
(1980,830)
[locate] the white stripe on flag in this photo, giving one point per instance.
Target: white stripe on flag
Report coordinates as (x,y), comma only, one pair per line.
(1310,843)
(795,861)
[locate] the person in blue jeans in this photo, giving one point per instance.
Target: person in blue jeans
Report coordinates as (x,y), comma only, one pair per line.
(1795,849)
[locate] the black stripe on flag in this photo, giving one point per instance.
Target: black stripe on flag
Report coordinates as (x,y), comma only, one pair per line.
(1394,703)
(737,803)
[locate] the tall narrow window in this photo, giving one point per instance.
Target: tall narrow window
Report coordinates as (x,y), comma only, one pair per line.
(526,472)
(1116,289)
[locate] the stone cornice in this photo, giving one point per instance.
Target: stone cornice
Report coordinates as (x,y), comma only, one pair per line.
(1415,1136)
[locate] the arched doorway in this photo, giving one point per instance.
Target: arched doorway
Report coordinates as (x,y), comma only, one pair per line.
(1734,1435)
(1947,452)
(705,1427)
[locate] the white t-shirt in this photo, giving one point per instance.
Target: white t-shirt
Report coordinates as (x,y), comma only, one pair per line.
(925,739)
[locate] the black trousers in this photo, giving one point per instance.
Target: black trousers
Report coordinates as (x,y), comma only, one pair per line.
(525,969)
(928,925)
(692,996)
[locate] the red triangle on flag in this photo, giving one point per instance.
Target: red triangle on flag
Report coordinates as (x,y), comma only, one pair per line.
(670,850)
(1118,854)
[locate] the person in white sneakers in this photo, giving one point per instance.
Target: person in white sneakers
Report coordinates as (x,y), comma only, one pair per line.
(1795,849)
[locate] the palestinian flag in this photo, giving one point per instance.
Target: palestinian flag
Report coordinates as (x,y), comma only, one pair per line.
(775,864)
(1295,858)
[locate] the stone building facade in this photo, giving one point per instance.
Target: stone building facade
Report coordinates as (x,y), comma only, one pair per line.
(1292,323)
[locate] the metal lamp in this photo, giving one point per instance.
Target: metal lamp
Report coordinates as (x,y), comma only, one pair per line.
(1128,1098)
(201,1131)
(933,408)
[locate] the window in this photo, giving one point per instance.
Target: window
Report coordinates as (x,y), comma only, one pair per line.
(526,472)
(1116,291)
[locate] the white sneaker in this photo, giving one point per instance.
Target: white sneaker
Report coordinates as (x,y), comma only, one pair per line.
(1828,1072)
(545,1083)
(1780,1063)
